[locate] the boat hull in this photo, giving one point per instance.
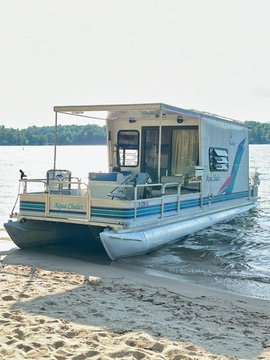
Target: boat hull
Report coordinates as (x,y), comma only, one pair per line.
(117,243)
(34,233)
(131,243)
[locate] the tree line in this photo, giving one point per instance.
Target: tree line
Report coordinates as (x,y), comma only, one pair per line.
(259,133)
(44,135)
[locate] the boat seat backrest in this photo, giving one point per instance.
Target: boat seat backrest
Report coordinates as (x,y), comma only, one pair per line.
(100,176)
(172,179)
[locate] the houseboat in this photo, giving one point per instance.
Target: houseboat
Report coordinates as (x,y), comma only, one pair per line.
(171,172)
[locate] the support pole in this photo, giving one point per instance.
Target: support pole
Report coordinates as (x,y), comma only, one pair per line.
(159,144)
(55,141)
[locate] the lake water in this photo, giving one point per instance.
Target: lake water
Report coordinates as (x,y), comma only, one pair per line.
(232,256)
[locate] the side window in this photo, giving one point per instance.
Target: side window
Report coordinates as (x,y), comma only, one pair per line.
(218,159)
(128,148)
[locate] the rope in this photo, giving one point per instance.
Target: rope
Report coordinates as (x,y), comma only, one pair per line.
(12,211)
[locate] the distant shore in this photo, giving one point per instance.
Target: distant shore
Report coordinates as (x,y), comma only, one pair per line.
(45,135)
(59,307)
(29,145)
(91,134)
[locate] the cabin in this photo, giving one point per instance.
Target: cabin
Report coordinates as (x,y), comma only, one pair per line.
(202,152)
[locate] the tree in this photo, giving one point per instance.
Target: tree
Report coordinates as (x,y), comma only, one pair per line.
(259,133)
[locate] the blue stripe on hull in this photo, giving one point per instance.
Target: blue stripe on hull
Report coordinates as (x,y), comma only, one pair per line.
(156,209)
(32,206)
(128,213)
(68,212)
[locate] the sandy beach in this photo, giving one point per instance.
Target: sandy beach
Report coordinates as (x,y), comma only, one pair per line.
(55,307)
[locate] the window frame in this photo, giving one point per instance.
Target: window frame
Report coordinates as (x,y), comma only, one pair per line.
(223,159)
(125,147)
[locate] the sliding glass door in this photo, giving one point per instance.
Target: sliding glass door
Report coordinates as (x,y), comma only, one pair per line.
(179,150)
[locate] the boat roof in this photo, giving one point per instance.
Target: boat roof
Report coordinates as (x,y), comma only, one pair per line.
(145,108)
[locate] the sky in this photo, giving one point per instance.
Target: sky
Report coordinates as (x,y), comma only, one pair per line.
(208,55)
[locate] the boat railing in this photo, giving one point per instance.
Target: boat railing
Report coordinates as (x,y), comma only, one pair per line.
(254,182)
(52,186)
(66,187)
(142,195)
(34,183)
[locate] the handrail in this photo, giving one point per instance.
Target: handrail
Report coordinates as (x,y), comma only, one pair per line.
(25,181)
(64,182)
(88,193)
(163,192)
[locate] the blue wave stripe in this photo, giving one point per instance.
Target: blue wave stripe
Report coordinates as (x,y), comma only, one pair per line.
(33,202)
(35,210)
(232,196)
(170,207)
(156,209)
(152,209)
(32,206)
(68,212)
(128,213)
(191,203)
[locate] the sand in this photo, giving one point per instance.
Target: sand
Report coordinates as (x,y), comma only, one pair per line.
(54,307)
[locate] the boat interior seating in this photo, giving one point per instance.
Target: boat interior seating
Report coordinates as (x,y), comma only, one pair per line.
(59,181)
(131,180)
(172,179)
(120,185)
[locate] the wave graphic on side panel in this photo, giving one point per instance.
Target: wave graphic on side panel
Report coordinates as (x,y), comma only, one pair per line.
(228,185)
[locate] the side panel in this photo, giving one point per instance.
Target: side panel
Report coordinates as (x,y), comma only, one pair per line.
(227,137)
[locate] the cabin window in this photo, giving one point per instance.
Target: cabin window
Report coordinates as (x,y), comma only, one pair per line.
(218,159)
(179,150)
(185,150)
(128,148)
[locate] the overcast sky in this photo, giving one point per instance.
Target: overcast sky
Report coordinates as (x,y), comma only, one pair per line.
(210,55)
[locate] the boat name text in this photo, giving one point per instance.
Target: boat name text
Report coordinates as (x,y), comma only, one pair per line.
(212,178)
(69,206)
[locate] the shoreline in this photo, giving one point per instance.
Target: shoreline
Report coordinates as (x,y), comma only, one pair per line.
(125,265)
(199,281)
(103,311)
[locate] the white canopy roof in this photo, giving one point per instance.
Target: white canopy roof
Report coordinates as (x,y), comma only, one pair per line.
(147,108)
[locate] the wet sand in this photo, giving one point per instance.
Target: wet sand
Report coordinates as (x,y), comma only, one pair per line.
(55,307)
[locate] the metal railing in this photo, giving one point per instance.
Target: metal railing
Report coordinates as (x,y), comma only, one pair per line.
(142,195)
